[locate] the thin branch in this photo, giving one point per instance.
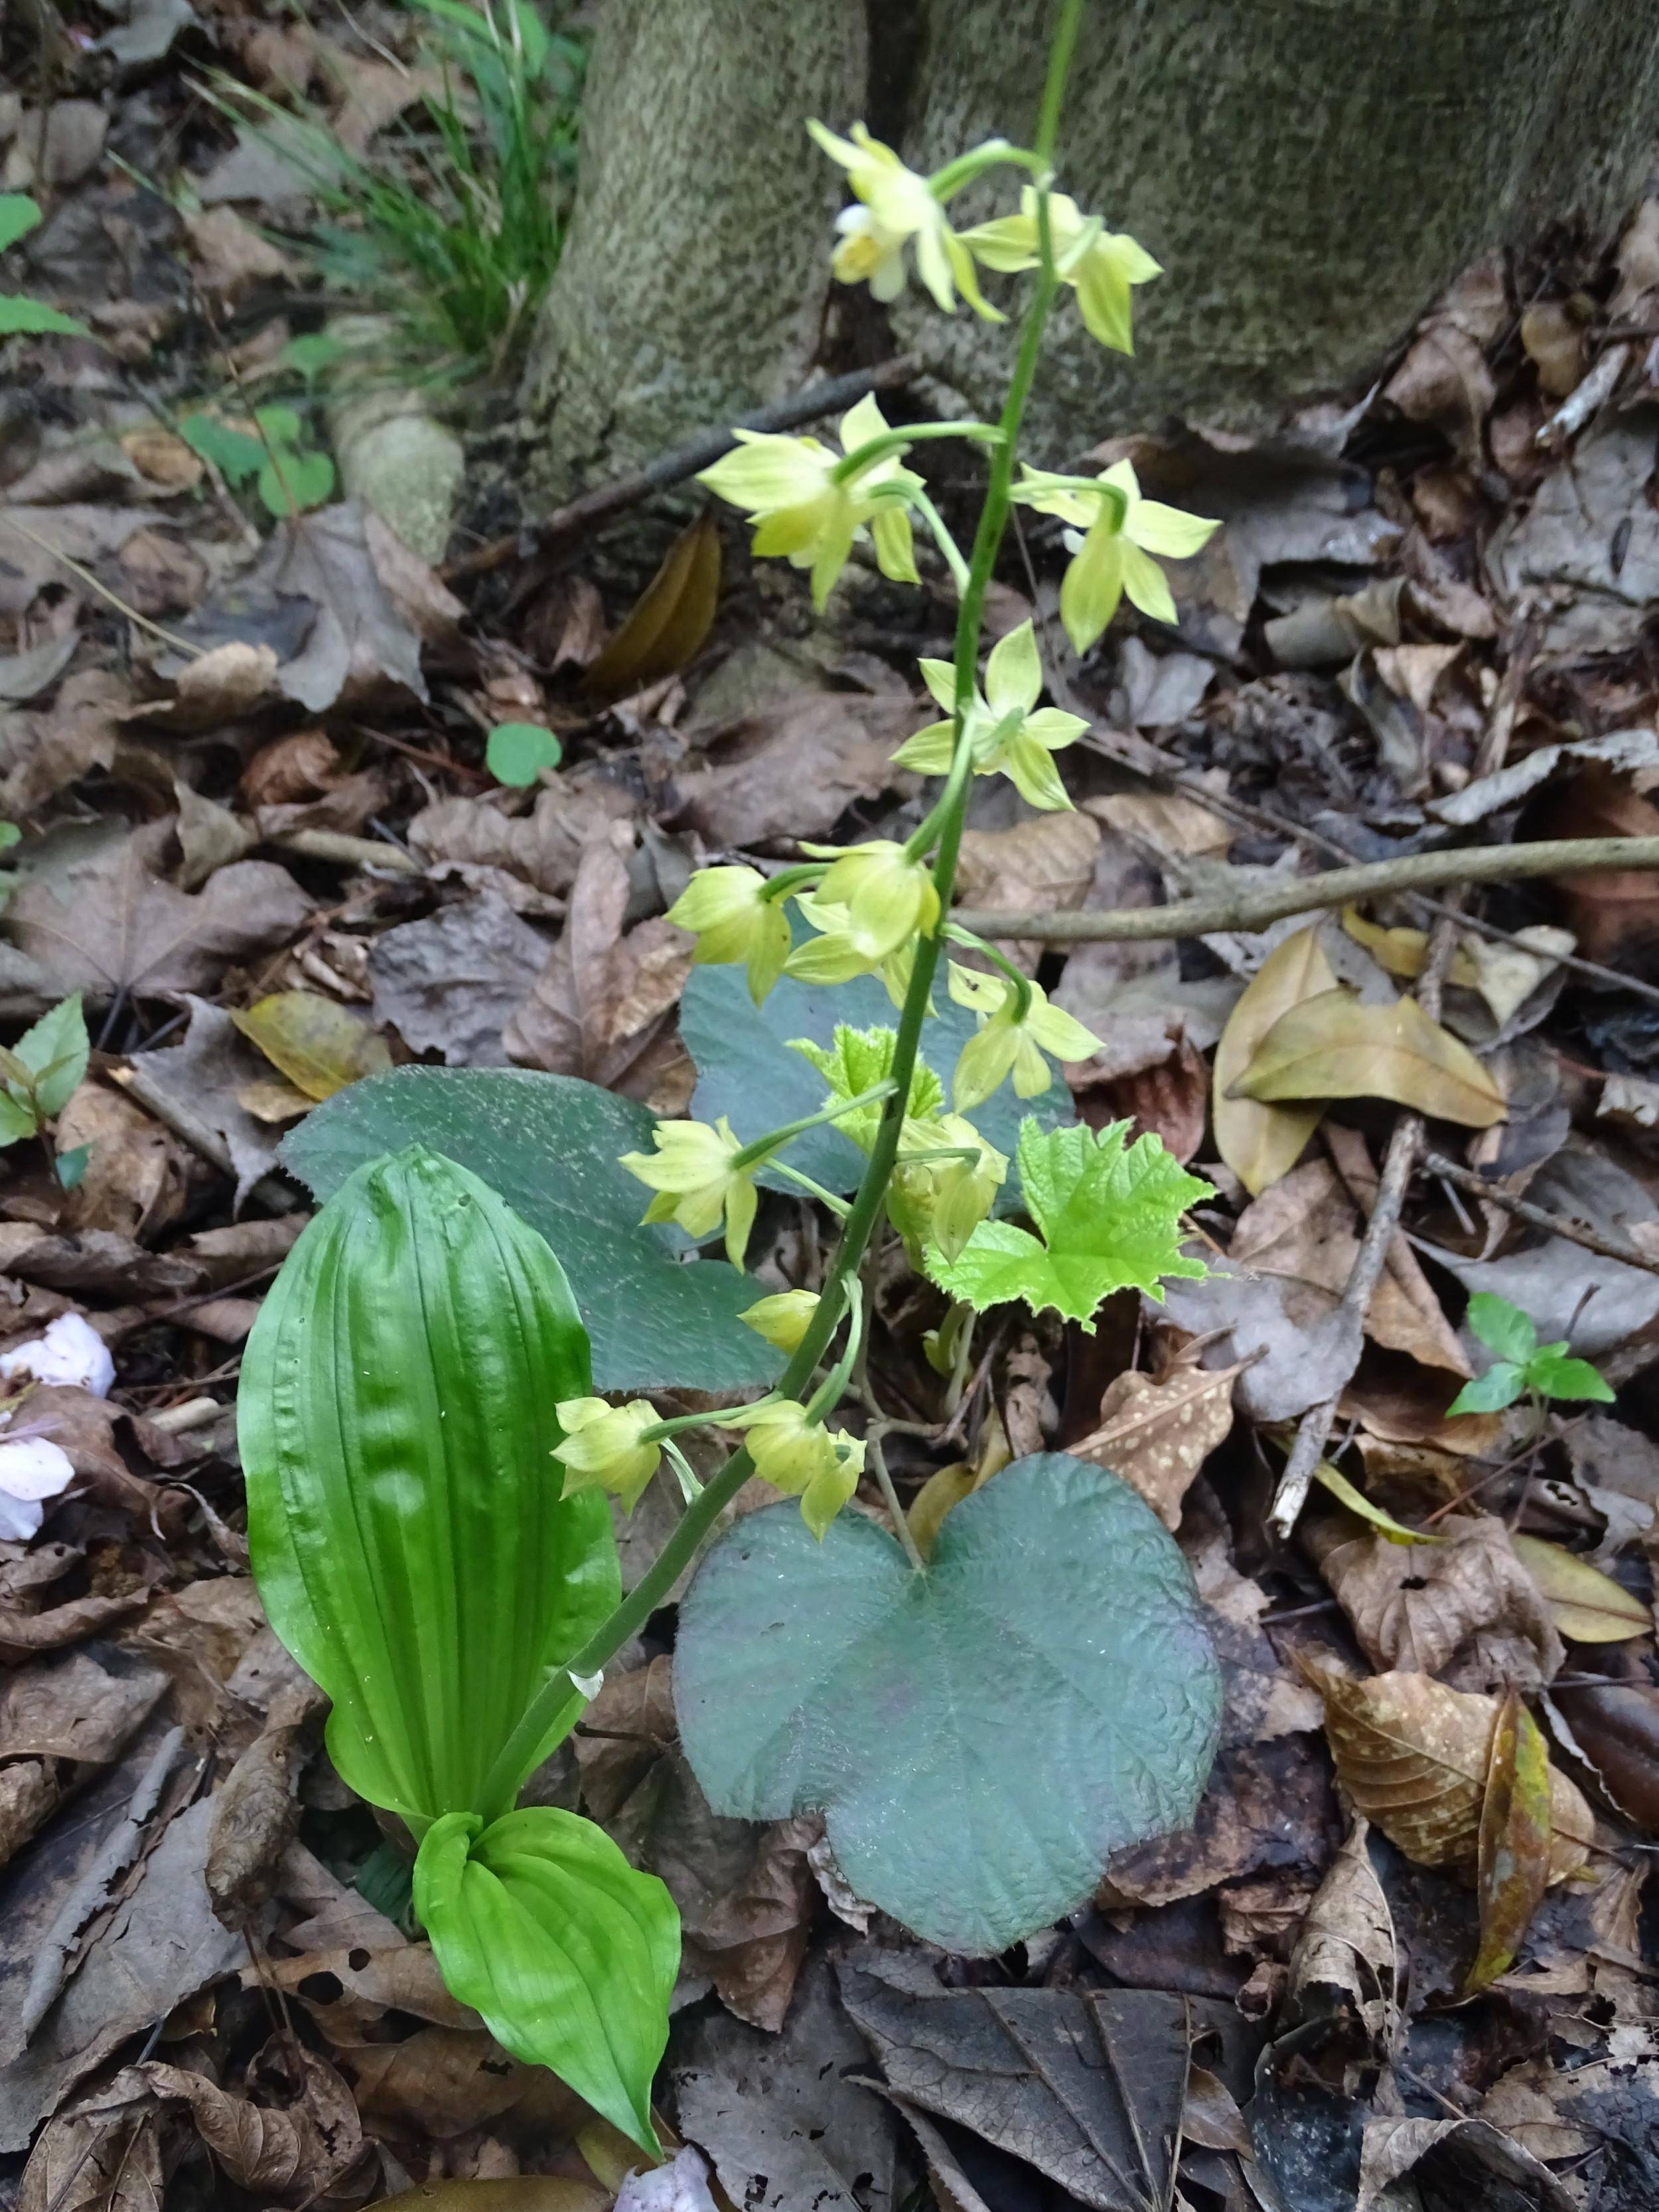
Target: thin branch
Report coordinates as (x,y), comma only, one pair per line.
(582,515)
(896,1511)
(1598,1240)
(1254,909)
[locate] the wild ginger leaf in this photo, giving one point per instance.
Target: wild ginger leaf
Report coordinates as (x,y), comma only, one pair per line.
(1109,1217)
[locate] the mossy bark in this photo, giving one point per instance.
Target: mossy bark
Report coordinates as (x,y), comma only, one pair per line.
(1310,172)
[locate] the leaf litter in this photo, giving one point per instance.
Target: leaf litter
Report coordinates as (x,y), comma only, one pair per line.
(265,847)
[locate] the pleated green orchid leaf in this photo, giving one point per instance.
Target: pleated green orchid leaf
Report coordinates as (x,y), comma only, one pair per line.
(539,1923)
(396,1427)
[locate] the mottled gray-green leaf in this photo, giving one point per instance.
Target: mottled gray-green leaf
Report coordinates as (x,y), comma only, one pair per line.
(549,1145)
(980,1737)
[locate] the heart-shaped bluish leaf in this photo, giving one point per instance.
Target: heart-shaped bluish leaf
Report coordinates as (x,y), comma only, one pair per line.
(746,1071)
(549,1144)
(396,1418)
(540,1924)
(979,1737)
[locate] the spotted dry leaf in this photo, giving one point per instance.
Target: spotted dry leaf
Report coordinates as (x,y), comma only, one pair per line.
(1158,1435)
(1414,1757)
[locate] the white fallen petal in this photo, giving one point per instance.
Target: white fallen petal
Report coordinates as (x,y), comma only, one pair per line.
(680,2186)
(31,1468)
(71,1351)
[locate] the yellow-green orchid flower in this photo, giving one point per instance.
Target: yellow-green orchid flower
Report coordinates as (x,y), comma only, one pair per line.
(1008,1042)
(898,208)
(871,904)
(694,1174)
(1010,734)
(800,1457)
(1113,534)
(782,1319)
(602,1448)
(727,912)
(1101,264)
(806,508)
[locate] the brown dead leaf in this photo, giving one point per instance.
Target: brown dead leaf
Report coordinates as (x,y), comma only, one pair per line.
(1337,1045)
(231,256)
(793,770)
(1174,826)
(161,459)
(295,2152)
(110,923)
(600,998)
(1414,1756)
(666,626)
(1615,915)
(1158,1435)
(135,1178)
(441,2082)
(376,94)
(303,765)
(256,1809)
(1613,1729)
(1348,1940)
(1170,1101)
(1036,867)
(1260,1143)
(105,2158)
(44,752)
(529,858)
(1465,1607)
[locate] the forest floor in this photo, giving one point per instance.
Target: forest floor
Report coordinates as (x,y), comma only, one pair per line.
(260,838)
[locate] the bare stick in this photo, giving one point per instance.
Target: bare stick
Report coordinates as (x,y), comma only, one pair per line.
(1539,1217)
(1255,908)
(584,514)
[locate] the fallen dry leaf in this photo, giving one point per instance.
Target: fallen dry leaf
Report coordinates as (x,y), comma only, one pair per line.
(1613,1729)
(1260,1143)
(665,628)
(1512,1863)
(1585,1604)
(452,982)
(528,858)
(1158,1435)
(297,2151)
(1348,1940)
(793,770)
(135,1174)
(946,1486)
(1465,1606)
(1616,913)
(44,752)
(1464,2161)
(1336,1045)
(256,1808)
(1414,1756)
(317,1043)
(1039,867)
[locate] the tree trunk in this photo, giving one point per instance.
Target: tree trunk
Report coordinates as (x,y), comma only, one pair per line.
(1310,172)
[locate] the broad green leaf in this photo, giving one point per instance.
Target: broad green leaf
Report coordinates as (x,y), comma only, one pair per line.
(1500,1386)
(1502,1328)
(516,753)
(237,454)
(1337,1045)
(317,1043)
(19,214)
(746,1071)
(54,1052)
(21,317)
(979,1737)
(549,1144)
(282,425)
(541,1925)
(1108,1217)
(296,484)
(1553,1374)
(395,1416)
(1584,1603)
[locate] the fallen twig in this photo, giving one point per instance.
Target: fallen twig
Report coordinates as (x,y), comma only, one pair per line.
(593,507)
(1254,909)
(1539,1217)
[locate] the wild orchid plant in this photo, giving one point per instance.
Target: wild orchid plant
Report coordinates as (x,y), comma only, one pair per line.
(980,1729)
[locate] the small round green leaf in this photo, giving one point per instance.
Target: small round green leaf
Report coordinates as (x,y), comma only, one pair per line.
(396,1418)
(540,1924)
(517,752)
(19,214)
(980,1737)
(301,481)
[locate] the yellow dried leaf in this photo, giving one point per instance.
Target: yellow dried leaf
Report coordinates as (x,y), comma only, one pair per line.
(1404,952)
(1357,1502)
(947,1487)
(319,1044)
(1586,1605)
(1260,1143)
(275,1102)
(1335,1046)
(669,621)
(1414,1757)
(1512,1856)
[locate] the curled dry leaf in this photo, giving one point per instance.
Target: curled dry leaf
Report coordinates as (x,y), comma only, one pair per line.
(1612,1728)
(1466,1605)
(297,2152)
(1336,1045)
(1585,1604)
(1414,1757)
(667,626)
(317,1043)
(1158,1435)
(1259,1142)
(1512,1859)
(1348,1940)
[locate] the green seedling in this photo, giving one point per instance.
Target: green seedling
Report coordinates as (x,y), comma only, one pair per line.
(1523,1368)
